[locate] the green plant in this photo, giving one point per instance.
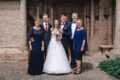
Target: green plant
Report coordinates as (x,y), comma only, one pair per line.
(111,67)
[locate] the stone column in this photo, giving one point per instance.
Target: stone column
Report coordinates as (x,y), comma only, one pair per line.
(23,21)
(92,19)
(45,6)
(115,52)
(23,16)
(38,11)
(87,19)
(91,41)
(51,13)
(117,27)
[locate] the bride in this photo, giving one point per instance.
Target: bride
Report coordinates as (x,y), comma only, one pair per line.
(56,60)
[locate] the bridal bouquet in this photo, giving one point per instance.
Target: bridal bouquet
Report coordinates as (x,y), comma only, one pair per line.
(57,33)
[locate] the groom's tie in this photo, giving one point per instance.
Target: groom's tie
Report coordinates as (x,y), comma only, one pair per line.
(46,27)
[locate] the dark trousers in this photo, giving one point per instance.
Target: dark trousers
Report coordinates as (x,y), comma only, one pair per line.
(65,45)
(45,51)
(73,62)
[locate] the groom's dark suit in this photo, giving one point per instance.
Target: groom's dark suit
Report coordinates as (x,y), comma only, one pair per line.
(65,37)
(46,36)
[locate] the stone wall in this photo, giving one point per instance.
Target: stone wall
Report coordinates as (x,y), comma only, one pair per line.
(12,33)
(100,27)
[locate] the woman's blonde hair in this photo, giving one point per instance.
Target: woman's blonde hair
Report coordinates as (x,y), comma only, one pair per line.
(80,20)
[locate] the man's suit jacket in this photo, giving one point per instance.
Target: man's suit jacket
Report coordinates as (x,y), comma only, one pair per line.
(46,34)
(66,33)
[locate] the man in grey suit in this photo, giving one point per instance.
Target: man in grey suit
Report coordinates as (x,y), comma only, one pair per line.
(46,26)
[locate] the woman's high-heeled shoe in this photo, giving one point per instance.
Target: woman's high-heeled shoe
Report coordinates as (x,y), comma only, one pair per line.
(77,72)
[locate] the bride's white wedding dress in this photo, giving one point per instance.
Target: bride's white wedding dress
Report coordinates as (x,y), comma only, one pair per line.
(56,61)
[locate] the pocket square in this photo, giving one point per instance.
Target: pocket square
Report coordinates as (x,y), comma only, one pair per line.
(65,28)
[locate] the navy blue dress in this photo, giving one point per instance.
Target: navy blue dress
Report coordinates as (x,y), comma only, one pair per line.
(36,56)
(79,36)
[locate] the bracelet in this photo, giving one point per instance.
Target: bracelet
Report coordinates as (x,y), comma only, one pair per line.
(82,46)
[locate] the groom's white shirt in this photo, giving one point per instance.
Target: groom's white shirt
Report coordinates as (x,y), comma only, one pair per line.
(62,26)
(73,27)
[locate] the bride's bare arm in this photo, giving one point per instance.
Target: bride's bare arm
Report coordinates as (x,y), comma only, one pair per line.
(60,31)
(60,34)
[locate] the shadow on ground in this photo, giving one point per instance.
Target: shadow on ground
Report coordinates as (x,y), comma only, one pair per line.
(86,66)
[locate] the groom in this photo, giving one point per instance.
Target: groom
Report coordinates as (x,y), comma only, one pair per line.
(46,26)
(66,33)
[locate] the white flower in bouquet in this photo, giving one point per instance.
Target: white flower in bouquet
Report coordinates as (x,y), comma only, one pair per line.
(57,33)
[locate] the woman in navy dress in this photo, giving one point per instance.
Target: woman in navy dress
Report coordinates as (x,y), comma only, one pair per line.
(79,44)
(36,46)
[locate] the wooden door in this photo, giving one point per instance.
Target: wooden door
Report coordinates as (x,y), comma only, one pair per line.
(68,9)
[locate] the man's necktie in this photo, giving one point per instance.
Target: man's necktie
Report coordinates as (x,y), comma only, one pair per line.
(46,27)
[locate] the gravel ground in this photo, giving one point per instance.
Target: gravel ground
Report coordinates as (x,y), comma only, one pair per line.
(18,71)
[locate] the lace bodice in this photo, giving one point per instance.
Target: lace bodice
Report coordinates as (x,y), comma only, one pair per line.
(53,34)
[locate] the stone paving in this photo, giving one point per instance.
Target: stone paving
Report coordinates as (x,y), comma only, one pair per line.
(18,71)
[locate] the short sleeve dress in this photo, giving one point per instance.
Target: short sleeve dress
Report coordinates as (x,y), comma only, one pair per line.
(79,36)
